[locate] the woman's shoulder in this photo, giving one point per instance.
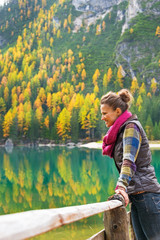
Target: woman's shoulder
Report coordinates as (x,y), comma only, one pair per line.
(133,125)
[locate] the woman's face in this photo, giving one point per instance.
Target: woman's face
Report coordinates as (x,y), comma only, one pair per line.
(109,115)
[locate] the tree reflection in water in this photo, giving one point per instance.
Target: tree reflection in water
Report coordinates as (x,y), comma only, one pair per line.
(51,178)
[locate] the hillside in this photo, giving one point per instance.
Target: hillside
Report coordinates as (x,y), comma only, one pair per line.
(59,57)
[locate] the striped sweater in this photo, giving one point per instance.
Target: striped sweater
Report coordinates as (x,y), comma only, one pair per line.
(131,144)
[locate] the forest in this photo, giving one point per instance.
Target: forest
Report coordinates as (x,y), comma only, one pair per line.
(52,77)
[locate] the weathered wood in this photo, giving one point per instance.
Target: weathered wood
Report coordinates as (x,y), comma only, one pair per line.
(99,236)
(31,223)
(116,224)
(131,231)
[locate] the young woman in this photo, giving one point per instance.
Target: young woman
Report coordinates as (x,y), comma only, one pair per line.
(127,144)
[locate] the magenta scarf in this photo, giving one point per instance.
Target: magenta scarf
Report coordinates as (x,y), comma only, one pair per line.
(111,136)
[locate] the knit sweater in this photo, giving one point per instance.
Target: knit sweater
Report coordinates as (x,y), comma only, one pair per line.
(131,145)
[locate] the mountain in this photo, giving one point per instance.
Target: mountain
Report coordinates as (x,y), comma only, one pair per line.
(134,51)
(59,57)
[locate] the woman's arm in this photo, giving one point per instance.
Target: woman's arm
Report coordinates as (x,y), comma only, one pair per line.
(131,145)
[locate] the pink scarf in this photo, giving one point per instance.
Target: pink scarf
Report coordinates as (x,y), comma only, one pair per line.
(111,136)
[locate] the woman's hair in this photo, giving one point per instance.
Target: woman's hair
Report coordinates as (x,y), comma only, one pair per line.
(122,99)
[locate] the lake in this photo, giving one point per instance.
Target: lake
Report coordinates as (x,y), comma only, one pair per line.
(40,178)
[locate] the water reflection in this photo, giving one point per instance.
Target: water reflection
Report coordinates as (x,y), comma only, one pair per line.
(51,178)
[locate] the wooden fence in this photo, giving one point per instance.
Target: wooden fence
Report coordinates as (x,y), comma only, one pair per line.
(28,224)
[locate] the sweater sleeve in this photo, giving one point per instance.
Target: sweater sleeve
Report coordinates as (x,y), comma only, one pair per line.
(131,144)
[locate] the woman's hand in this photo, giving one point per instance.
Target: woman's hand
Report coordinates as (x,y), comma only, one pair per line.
(122,191)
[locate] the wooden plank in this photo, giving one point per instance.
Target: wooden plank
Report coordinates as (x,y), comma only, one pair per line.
(99,236)
(131,231)
(116,224)
(27,224)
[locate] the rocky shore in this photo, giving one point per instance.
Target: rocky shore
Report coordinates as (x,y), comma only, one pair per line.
(95,145)
(91,145)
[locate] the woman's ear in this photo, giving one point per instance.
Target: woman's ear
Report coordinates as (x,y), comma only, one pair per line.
(119,111)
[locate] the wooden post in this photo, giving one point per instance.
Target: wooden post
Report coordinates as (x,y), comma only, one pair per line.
(98,236)
(131,231)
(116,224)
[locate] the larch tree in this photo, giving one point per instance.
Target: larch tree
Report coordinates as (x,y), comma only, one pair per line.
(49,100)
(153,85)
(139,103)
(46,122)
(98,29)
(142,89)
(157,31)
(27,117)
(6,94)
(83,74)
(63,124)
(20,117)
(134,85)
(120,75)
(103,25)
(7,123)
(96,76)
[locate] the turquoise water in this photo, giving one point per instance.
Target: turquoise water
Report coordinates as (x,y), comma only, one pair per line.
(58,177)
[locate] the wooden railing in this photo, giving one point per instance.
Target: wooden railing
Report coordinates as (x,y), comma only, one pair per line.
(28,224)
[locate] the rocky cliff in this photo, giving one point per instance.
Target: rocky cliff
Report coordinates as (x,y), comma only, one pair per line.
(136,49)
(94,5)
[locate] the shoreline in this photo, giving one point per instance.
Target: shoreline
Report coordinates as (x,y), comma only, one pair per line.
(95,145)
(91,145)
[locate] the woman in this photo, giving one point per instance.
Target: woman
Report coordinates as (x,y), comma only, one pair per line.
(127,144)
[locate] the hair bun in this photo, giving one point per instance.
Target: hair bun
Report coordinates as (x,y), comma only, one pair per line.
(125,95)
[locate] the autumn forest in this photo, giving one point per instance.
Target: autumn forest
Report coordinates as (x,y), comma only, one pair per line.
(52,75)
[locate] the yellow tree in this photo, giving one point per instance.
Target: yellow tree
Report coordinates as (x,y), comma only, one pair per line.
(65,23)
(51,41)
(139,103)
(120,75)
(88,114)
(153,85)
(142,89)
(14,100)
(107,77)
(63,124)
(39,114)
(103,25)
(131,30)
(27,116)
(4,81)
(49,101)
(2,107)
(21,98)
(83,74)
(69,18)
(134,85)
(98,29)
(157,31)
(46,122)
(7,123)
(42,95)
(84,39)
(20,117)
(79,101)
(96,90)
(96,76)
(58,33)
(6,94)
